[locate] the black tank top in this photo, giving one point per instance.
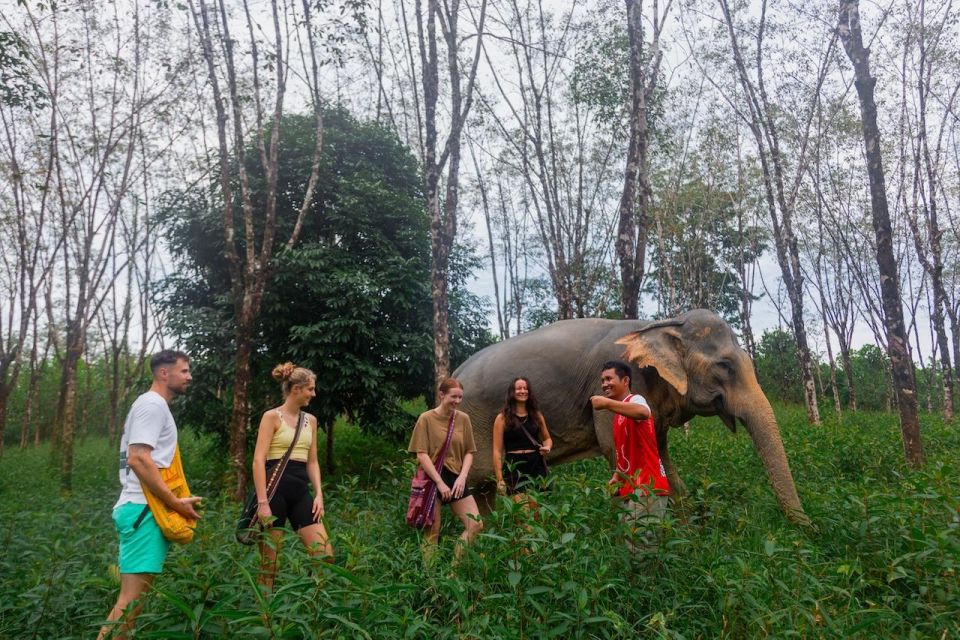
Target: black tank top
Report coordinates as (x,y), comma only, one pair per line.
(514,440)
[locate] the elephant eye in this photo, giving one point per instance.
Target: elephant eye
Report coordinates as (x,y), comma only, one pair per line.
(726,366)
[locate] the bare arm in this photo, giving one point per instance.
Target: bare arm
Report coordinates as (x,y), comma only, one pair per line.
(625,409)
(313,462)
(427,463)
(142,464)
(313,470)
(498,448)
(460,483)
(545,437)
(268,426)
(467,463)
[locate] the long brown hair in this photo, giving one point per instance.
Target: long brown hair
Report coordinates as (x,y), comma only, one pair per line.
(509,411)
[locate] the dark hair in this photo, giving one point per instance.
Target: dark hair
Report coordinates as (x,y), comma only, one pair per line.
(509,411)
(166,358)
(622,369)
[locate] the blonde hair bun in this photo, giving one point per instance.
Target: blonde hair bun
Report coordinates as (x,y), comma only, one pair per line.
(290,375)
(282,372)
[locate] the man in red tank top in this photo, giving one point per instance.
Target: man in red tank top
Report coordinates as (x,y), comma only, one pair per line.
(639,469)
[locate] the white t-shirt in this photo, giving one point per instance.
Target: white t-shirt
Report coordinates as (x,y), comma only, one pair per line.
(149,423)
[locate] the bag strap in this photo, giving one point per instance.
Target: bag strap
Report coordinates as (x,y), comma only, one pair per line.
(446,444)
(532,440)
(278,470)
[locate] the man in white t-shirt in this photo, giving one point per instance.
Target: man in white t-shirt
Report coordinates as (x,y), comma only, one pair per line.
(148,444)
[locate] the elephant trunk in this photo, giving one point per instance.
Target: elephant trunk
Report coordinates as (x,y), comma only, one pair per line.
(762,427)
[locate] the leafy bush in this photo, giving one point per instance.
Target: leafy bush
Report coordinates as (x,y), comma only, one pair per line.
(882,562)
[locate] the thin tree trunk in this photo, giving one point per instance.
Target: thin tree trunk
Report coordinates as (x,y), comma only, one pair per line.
(779,206)
(897,345)
(848,373)
(68,417)
(443,215)
(329,457)
(240,413)
(33,385)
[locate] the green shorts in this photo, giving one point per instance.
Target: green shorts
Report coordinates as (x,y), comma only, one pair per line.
(142,546)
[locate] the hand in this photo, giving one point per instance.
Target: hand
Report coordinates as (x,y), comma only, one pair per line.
(458,486)
(501,487)
(184,506)
(318,509)
(544,449)
(614,479)
(444,490)
(598,402)
(264,514)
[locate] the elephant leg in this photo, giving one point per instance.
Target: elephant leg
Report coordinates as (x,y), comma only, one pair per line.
(486,496)
(677,488)
(603,427)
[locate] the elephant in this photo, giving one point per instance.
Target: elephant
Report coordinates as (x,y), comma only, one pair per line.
(686,366)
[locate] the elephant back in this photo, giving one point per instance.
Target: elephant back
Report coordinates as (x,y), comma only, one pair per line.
(562,362)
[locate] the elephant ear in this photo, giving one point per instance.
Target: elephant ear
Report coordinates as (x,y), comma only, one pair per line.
(658,345)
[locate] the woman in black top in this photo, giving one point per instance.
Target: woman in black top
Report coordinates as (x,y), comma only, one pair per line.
(521,440)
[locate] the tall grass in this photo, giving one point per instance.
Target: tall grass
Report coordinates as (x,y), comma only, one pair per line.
(882,562)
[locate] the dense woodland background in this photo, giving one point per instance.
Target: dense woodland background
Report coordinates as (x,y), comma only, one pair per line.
(321,181)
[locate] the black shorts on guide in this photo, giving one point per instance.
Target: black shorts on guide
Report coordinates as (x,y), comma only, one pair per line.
(292,501)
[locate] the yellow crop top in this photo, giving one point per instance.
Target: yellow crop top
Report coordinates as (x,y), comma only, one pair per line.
(282,438)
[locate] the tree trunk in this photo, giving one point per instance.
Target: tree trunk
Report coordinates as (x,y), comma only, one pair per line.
(780,208)
(240,415)
(30,401)
(848,373)
(68,417)
(329,457)
(627,243)
(897,346)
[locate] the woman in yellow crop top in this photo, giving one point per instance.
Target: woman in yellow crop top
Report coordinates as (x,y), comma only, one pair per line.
(292,500)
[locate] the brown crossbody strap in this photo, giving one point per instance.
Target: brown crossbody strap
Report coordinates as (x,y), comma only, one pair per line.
(278,470)
(535,442)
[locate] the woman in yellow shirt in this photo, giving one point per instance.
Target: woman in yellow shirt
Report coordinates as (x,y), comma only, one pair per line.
(292,500)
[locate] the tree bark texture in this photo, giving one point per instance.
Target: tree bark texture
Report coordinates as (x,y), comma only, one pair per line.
(443,211)
(897,346)
(780,206)
(251,269)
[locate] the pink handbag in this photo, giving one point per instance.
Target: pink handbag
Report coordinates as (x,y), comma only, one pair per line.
(423,490)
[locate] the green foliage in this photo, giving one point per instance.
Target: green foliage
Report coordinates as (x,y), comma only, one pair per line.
(93,401)
(600,77)
(778,367)
(779,375)
(870,366)
(18,86)
(883,561)
(698,247)
(351,300)
(469,313)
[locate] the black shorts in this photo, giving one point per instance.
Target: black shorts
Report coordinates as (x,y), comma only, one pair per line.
(524,471)
(449,477)
(292,501)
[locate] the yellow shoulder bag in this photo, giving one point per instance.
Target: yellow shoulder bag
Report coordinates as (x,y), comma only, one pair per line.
(174,526)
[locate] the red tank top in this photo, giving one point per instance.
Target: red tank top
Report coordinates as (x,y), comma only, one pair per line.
(638,458)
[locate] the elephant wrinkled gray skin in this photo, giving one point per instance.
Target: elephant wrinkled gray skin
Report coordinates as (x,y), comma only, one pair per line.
(686,366)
